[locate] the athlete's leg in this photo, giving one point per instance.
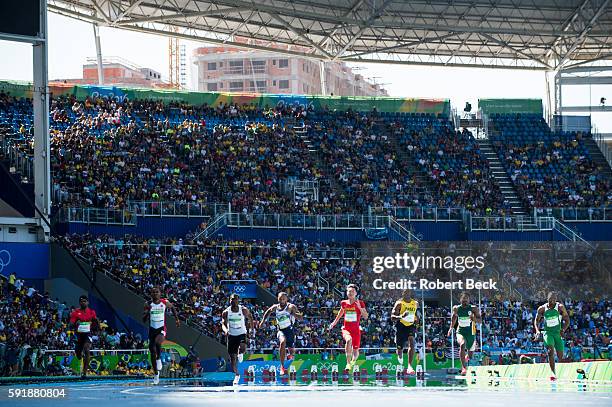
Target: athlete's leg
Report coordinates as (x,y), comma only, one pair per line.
(551,358)
(159,339)
(461,342)
(356,336)
(233,362)
(153,355)
(86,349)
(348,346)
(399,351)
(282,346)
(411,349)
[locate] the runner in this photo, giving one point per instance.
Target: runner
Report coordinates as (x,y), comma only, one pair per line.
(155,312)
(552,312)
(405,318)
(465,317)
(286,314)
(82,319)
(352,310)
(233,323)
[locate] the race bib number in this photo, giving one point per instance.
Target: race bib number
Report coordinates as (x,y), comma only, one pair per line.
(350,316)
(235,323)
(284,321)
(84,327)
(157,315)
(552,321)
(465,322)
(408,318)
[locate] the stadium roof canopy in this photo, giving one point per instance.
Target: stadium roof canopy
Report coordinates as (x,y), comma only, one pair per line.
(522,34)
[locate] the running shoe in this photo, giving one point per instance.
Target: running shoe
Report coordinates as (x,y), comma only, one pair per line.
(283,371)
(236,380)
(410,370)
(463,371)
(156,378)
(553,378)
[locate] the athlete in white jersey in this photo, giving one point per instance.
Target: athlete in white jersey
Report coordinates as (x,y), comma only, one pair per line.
(286,313)
(236,322)
(155,313)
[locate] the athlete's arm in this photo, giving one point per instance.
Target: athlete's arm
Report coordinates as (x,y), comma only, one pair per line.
(395,314)
(296,313)
(338,316)
(538,320)
(249,317)
(73,318)
(453,321)
(145,313)
(95,324)
(265,315)
(224,322)
(174,313)
(364,311)
(476,313)
(565,316)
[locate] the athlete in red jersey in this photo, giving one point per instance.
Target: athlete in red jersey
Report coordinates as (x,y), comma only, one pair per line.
(352,310)
(82,319)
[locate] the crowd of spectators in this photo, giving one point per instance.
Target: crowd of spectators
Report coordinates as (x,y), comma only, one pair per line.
(106,153)
(190,275)
(452,160)
(31,323)
(549,169)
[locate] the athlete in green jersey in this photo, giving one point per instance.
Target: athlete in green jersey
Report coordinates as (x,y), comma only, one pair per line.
(465,317)
(552,313)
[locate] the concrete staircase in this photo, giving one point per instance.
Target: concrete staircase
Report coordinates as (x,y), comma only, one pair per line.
(501,177)
(328,184)
(598,157)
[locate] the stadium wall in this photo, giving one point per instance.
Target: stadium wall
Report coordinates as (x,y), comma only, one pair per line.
(430,231)
(363,103)
(129,305)
(598,231)
(10,194)
(29,261)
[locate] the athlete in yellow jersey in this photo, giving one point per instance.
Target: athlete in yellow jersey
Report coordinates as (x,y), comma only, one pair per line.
(405,318)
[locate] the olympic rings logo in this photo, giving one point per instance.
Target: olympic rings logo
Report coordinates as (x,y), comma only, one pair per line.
(239,288)
(5,259)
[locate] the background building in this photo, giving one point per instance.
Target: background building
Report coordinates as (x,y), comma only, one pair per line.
(119,71)
(232,69)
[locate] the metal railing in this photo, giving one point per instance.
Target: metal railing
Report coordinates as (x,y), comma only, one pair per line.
(402,231)
(333,253)
(19,160)
(568,233)
(409,213)
(604,145)
(177,209)
(509,223)
(601,214)
(213,227)
(303,221)
(99,216)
